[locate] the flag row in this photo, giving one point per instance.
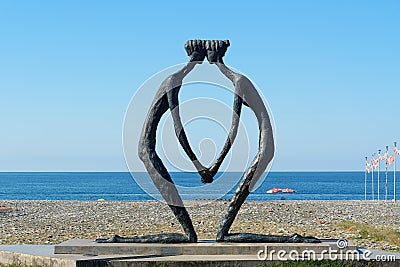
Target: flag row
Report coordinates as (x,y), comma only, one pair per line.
(388,159)
(375,164)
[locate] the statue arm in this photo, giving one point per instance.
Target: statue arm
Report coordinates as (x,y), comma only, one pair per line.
(237,108)
(173,102)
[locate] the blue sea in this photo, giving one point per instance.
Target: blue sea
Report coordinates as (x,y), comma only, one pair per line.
(121,186)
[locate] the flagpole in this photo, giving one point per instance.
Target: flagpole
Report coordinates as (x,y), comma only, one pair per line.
(373,164)
(365,179)
(386,184)
(394,173)
(379,170)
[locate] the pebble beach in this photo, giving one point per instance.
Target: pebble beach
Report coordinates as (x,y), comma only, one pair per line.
(371,224)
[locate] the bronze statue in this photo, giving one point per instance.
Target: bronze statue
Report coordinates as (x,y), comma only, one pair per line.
(166,99)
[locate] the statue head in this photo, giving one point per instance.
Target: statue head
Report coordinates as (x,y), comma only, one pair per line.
(196,50)
(216,50)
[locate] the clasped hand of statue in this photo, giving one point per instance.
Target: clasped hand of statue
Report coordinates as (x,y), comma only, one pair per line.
(207,174)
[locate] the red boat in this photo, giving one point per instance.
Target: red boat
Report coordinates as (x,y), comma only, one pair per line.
(279,190)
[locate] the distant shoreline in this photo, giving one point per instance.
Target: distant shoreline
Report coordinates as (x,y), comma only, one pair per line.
(170,171)
(203,200)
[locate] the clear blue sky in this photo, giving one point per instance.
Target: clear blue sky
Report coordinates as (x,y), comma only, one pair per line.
(330,71)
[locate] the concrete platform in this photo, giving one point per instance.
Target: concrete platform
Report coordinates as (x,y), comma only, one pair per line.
(203,247)
(182,254)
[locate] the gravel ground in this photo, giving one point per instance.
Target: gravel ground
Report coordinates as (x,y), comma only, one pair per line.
(52,222)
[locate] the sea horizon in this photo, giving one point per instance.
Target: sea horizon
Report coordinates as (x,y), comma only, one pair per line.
(320,185)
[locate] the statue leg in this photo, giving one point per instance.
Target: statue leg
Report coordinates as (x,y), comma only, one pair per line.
(162,180)
(251,176)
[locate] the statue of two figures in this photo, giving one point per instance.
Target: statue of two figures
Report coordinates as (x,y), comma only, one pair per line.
(166,99)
